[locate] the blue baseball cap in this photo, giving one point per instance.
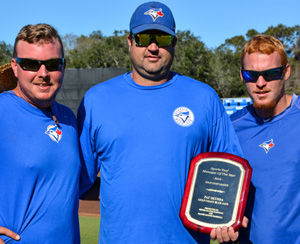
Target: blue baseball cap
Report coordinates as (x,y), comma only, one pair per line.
(152,16)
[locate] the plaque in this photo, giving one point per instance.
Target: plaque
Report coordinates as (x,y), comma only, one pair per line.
(216,192)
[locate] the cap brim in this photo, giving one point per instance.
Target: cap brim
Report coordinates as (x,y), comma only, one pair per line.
(146,27)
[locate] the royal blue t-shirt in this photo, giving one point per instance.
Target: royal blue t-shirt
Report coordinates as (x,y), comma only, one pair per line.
(39,172)
(143,139)
(273,150)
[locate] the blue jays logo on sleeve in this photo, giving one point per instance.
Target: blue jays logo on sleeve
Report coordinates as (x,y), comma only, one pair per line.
(267,145)
(183,116)
(154,13)
(54,133)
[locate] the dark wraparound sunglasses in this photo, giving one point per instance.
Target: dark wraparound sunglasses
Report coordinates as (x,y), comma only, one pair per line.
(55,64)
(145,39)
(269,75)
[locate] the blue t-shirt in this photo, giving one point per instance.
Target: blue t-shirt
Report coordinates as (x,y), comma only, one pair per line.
(273,150)
(143,139)
(39,172)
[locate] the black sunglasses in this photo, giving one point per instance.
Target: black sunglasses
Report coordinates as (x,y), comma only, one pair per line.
(269,75)
(145,39)
(55,64)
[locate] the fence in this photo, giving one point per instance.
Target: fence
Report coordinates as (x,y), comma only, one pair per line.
(78,81)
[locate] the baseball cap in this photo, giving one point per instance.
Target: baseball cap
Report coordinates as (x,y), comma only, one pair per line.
(152,16)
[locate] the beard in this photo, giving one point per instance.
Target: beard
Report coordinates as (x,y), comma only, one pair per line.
(265,106)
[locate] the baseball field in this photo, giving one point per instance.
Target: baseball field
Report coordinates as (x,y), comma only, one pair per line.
(89,220)
(89,230)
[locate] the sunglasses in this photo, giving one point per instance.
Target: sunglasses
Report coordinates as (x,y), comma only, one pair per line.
(145,39)
(55,64)
(269,75)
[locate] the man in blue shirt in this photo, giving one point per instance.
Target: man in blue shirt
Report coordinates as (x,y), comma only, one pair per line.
(269,132)
(142,129)
(39,160)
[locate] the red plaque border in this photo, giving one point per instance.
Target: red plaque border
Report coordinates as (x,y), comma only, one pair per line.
(243,194)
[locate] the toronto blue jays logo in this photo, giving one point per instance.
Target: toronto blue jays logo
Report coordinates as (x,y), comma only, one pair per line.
(267,145)
(54,133)
(183,116)
(154,13)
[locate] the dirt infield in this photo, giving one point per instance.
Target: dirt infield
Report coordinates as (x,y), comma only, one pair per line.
(89,208)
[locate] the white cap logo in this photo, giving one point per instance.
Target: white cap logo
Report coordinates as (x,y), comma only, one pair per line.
(154,13)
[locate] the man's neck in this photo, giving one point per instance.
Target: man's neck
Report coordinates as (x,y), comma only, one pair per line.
(149,81)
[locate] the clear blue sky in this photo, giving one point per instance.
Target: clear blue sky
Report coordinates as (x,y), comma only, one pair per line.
(211,20)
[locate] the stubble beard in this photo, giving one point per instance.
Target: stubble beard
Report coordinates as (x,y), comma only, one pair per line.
(147,71)
(154,74)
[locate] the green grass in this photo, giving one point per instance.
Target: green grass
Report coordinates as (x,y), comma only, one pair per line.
(89,229)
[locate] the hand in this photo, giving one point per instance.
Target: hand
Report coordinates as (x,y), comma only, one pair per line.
(9,233)
(226,234)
